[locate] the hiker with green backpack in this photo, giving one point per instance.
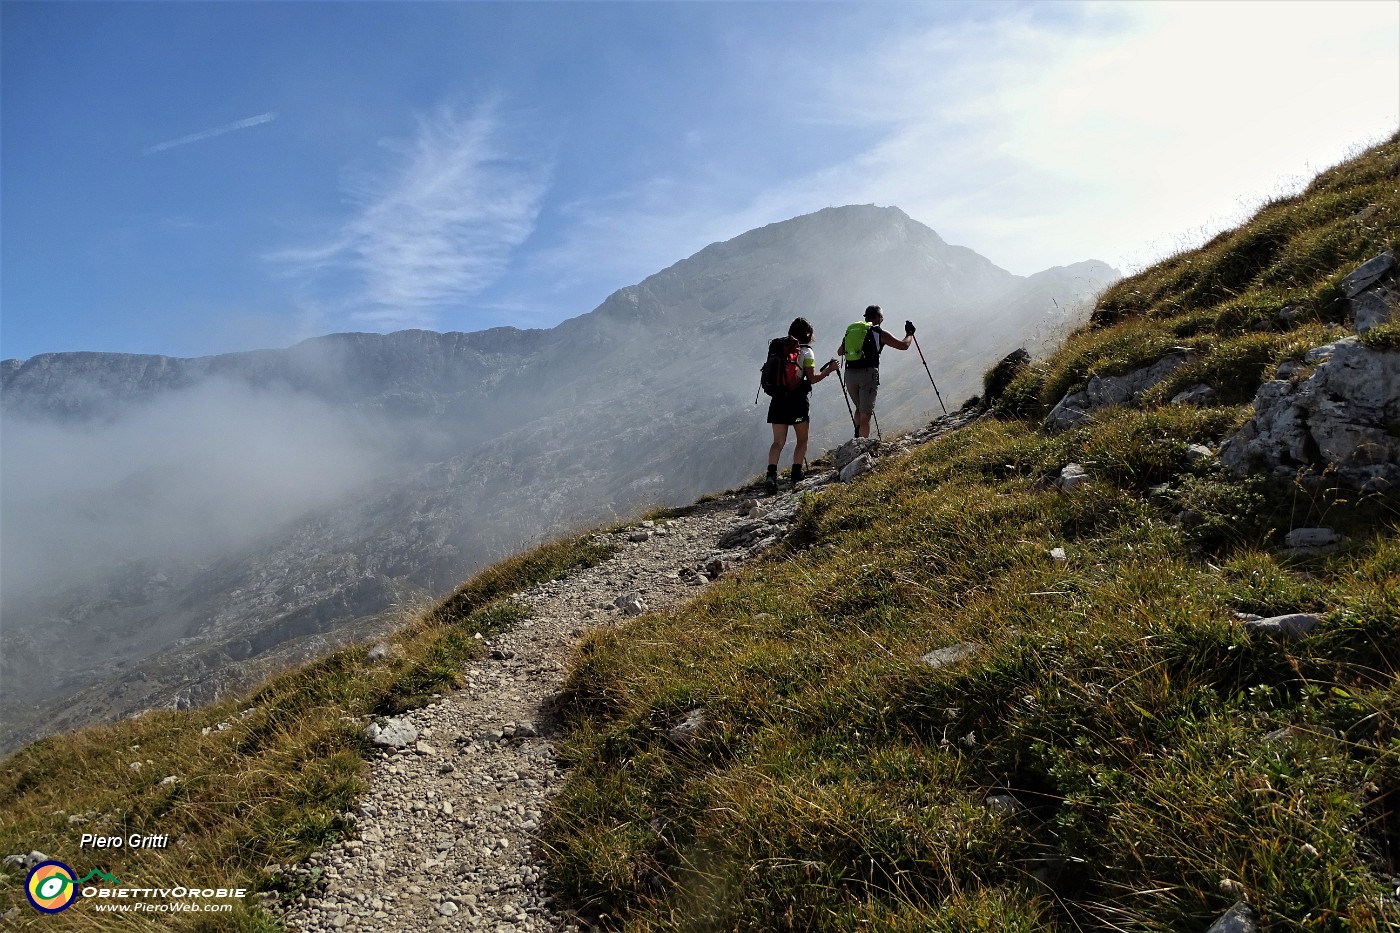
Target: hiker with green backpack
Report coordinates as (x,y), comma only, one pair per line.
(861,351)
(788,376)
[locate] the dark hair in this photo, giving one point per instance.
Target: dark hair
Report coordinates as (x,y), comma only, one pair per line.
(800,329)
(872,311)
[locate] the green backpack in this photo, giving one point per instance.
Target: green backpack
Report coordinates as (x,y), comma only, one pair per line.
(859,346)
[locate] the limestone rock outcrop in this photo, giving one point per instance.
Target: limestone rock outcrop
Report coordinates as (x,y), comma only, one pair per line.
(1373,292)
(1103,391)
(1343,417)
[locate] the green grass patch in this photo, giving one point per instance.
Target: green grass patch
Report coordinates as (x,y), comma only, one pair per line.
(1164,759)
(1384,339)
(1111,351)
(1113,694)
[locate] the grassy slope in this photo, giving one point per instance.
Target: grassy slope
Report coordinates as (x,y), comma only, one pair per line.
(842,784)
(272,785)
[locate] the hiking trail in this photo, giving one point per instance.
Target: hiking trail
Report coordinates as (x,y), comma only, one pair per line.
(445,833)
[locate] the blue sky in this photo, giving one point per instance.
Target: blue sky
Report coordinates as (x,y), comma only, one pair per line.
(193,178)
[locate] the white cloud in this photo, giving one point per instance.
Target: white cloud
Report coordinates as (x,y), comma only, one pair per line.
(436,227)
(259,120)
(1045,134)
(1125,134)
(1038,135)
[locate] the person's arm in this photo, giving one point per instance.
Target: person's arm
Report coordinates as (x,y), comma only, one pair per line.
(890,340)
(822,373)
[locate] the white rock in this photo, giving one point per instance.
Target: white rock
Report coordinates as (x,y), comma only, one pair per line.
(852,450)
(1003,803)
(1072,477)
(631,604)
(1311,537)
(1238,919)
(861,464)
(942,657)
(1340,417)
(1294,625)
(1103,391)
(392,733)
(1324,352)
(689,728)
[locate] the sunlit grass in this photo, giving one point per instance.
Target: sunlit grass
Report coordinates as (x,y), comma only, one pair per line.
(841,783)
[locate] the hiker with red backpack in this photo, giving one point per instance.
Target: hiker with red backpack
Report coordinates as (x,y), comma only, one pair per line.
(861,349)
(788,376)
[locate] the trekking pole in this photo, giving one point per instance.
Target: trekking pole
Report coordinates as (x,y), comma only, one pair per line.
(841,378)
(878,436)
(930,375)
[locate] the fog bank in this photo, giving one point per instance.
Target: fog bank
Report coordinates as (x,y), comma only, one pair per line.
(186,478)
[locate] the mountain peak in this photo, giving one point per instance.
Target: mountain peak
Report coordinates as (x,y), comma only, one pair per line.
(850,221)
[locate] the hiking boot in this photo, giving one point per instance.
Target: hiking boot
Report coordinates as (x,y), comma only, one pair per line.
(770,482)
(797,474)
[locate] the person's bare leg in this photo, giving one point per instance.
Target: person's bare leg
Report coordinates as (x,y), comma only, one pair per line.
(775,450)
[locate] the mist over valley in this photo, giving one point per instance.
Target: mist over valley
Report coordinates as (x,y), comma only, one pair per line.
(177,528)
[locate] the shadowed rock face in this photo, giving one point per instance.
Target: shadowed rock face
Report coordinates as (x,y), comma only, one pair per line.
(468,447)
(1000,376)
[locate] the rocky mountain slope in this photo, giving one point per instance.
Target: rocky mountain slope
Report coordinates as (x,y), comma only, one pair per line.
(470,446)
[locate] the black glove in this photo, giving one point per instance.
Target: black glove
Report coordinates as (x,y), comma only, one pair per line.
(909,327)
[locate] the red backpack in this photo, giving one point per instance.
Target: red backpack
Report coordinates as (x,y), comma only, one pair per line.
(782,371)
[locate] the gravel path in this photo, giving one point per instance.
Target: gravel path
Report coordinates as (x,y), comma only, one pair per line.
(445,833)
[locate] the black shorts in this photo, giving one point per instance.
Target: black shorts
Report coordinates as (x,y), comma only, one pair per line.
(790,408)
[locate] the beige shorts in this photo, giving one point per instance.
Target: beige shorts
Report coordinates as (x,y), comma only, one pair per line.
(864,385)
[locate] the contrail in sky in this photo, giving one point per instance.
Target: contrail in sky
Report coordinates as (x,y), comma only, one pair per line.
(217,131)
